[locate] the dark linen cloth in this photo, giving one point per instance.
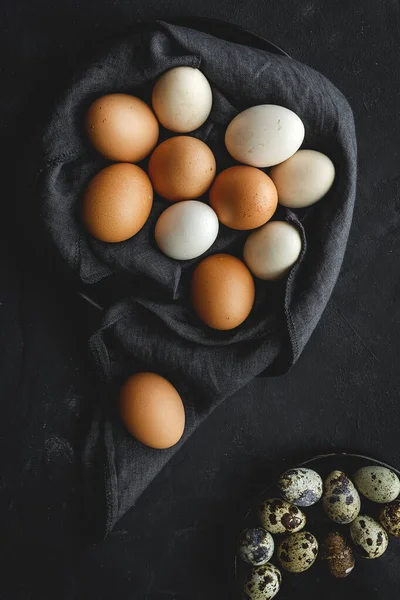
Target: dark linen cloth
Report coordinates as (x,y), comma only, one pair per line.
(153,327)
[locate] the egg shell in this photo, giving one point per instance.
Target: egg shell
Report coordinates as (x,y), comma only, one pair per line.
(243,197)
(378,484)
(186,229)
(272,250)
(117,202)
(152,410)
(122,127)
(262,583)
(182,99)
(303,179)
(369,537)
(389,517)
(279,516)
(298,552)
(337,555)
(222,291)
(182,168)
(340,500)
(256,546)
(264,135)
(301,486)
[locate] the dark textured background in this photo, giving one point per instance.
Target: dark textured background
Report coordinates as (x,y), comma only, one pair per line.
(342,394)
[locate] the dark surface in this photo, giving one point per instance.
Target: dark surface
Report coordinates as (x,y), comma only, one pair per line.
(343,393)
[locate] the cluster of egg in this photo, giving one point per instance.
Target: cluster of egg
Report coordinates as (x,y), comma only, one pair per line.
(298,550)
(118,200)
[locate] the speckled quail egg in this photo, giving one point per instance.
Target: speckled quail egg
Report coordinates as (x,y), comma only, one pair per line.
(378,484)
(389,517)
(341,501)
(279,516)
(301,486)
(337,555)
(298,552)
(256,546)
(369,537)
(262,583)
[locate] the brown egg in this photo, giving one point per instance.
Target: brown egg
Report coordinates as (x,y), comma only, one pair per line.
(222,291)
(117,202)
(152,410)
(243,197)
(122,127)
(182,168)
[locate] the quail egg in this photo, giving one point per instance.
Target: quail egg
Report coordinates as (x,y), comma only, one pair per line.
(279,516)
(262,583)
(369,537)
(301,486)
(337,554)
(389,517)
(255,546)
(341,501)
(298,552)
(378,484)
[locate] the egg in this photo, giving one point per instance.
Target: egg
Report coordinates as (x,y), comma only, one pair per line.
(122,127)
(256,546)
(222,291)
(337,555)
(262,583)
(303,179)
(298,552)
(243,197)
(340,500)
(186,229)
(152,410)
(264,135)
(272,250)
(182,168)
(280,516)
(389,517)
(117,202)
(369,537)
(182,99)
(301,486)
(378,484)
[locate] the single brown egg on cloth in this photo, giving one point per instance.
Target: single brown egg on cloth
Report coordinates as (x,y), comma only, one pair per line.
(182,168)
(122,127)
(117,202)
(222,291)
(243,197)
(152,410)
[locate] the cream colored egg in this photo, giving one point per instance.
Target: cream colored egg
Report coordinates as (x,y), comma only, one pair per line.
(303,179)
(182,99)
(271,250)
(186,230)
(264,135)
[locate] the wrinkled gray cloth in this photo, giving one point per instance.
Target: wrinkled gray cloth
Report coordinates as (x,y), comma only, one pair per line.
(153,327)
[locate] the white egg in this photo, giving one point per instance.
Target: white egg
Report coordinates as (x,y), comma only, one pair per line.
(264,135)
(182,99)
(271,250)
(186,230)
(303,179)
